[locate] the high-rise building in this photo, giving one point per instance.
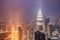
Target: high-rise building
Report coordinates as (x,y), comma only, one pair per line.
(40,22)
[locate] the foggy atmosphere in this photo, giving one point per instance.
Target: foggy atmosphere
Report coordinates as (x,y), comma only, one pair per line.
(29,19)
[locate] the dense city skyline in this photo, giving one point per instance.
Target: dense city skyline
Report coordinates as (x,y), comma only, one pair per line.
(19,19)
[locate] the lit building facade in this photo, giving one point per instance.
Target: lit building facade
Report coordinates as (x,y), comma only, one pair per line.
(40,21)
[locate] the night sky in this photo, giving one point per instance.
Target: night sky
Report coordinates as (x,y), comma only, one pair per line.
(49,8)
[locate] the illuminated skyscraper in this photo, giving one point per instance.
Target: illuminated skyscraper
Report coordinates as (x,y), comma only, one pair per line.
(40,23)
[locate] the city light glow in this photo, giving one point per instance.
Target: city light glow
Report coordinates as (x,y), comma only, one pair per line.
(14,35)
